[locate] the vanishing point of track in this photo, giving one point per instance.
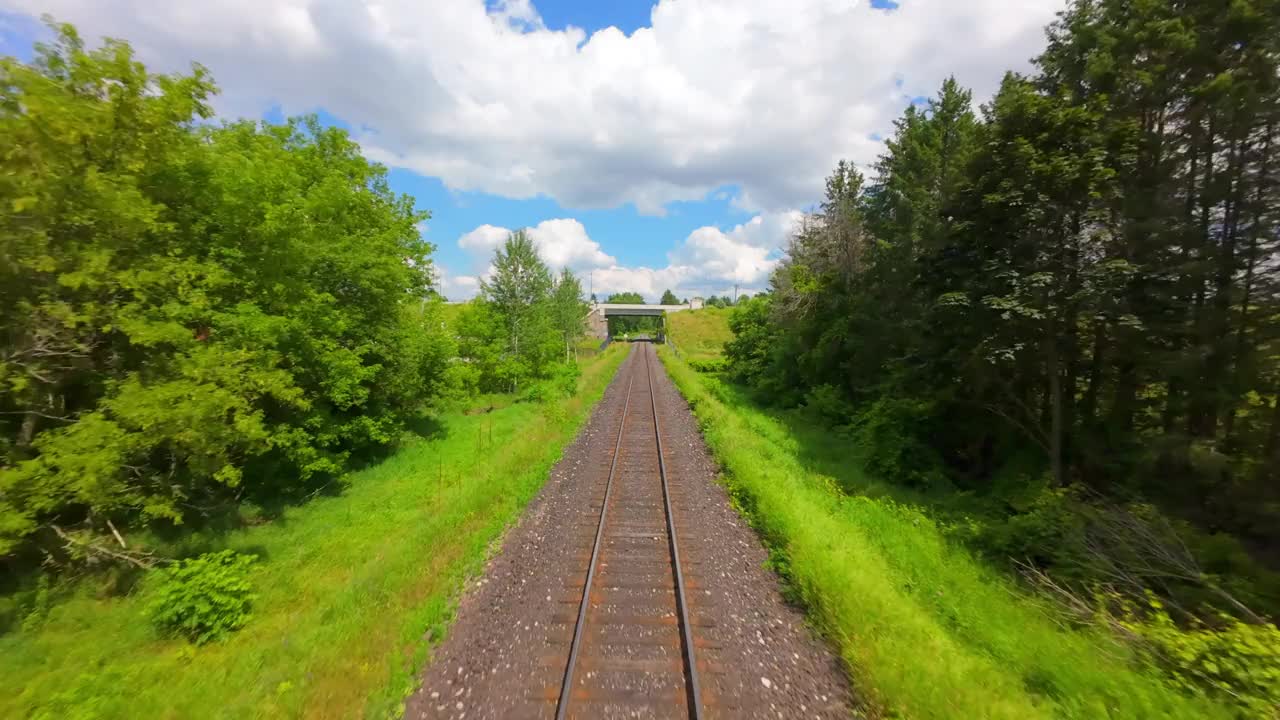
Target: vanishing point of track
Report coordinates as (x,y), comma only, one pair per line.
(632,652)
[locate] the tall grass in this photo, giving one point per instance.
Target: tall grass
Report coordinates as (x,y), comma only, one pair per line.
(700,334)
(350,588)
(926,629)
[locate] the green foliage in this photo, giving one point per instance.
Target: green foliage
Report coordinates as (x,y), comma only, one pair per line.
(191,312)
(713,365)
(203,598)
(623,326)
(40,603)
(524,324)
(348,586)
(828,404)
(669,298)
(699,334)
(754,351)
(1077,282)
(1237,663)
(519,290)
(565,378)
(892,437)
(568,311)
(927,630)
(1045,528)
(561,382)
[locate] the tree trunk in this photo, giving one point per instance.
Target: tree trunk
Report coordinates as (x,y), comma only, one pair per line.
(1197,403)
(1089,404)
(1120,419)
(27,432)
(1271,458)
(1055,406)
(1219,356)
(1173,404)
(1251,261)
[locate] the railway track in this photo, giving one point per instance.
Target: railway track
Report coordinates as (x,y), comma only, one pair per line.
(633,651)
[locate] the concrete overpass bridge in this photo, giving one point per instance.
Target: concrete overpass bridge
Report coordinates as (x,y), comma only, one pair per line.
(598,316)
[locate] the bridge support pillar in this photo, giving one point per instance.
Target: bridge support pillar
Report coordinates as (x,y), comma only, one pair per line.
(597,325)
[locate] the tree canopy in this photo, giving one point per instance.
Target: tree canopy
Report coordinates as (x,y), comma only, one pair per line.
(1075,287)
(191,311)
(524,323)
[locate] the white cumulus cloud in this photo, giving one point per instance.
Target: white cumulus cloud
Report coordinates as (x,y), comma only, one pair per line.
(564,243)
(561,243)
(482,241)
(708,261)
(763,95)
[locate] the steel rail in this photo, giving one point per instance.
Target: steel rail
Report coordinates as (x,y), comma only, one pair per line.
(686,628)
(562,705)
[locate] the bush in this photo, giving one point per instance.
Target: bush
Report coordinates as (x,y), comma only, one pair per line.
(1045,528)
(827,403)
(750,352)
(564,378)
(203,598)
(713,365)
(243,302)
(892,435)
(561,382)
(1238,663)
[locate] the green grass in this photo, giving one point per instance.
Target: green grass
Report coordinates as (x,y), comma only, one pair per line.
(588,347)
(926,629)
(450,312)
(349,588)
(700,334)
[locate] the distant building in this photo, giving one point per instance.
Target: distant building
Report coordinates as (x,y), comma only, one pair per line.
(695,304)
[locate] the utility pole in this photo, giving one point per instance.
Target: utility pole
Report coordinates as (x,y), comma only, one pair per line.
(735,293)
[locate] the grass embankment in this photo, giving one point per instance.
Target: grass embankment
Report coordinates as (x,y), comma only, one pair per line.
(347,587)
(700,334)
(927,630)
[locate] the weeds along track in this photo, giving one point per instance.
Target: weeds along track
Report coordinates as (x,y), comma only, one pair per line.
(633,651)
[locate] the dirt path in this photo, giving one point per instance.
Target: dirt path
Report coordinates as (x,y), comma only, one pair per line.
(505,655)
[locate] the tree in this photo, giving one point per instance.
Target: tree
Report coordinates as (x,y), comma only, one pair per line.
(1089,267)
(669,298)
(568,312)
(190,313)
(487,365)
(519,289)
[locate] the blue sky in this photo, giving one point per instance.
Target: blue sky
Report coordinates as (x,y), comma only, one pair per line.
(626,15)
(647,145)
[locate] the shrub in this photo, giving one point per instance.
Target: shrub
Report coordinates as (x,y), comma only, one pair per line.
(252,295)
(561,382)
(827,403)
(1237,662)
(203,598)
(1045,528)
(711,365)
(564,378)
(891,434)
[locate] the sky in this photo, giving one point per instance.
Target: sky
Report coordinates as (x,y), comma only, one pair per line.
(646,146)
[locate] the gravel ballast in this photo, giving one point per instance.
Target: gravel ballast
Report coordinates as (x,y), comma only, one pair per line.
(505,654)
